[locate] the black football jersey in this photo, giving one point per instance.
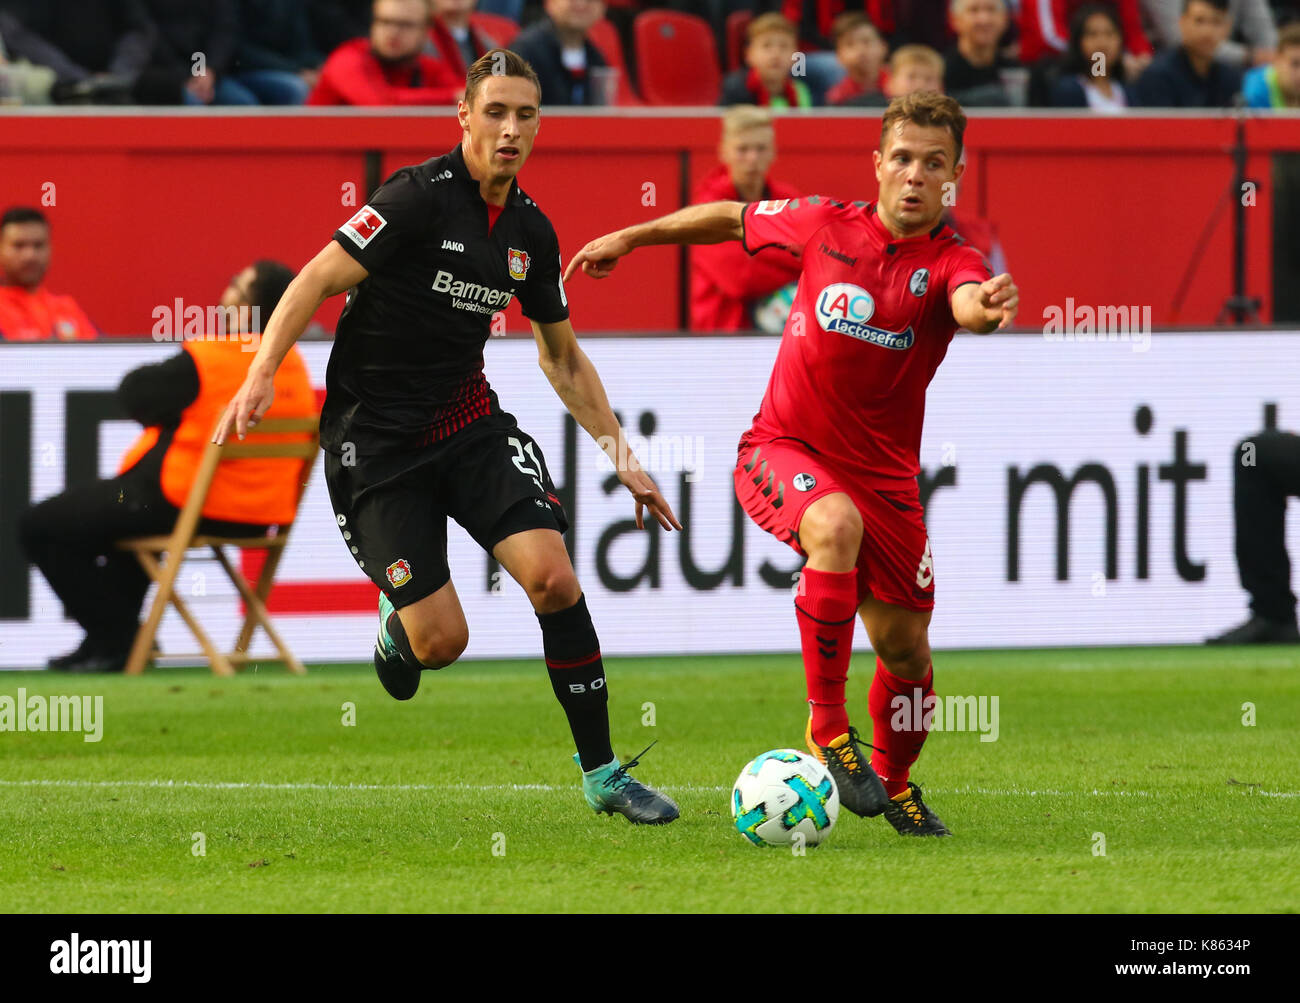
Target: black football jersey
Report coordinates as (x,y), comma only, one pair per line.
(406,368)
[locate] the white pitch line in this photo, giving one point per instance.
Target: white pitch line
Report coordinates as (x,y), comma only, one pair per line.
(214,785)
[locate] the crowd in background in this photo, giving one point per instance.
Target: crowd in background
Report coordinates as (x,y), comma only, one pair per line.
(772,53)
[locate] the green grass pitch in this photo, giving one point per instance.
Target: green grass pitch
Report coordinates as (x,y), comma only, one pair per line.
(465,798)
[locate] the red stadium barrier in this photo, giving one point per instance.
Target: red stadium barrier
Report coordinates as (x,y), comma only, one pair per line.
(147,209)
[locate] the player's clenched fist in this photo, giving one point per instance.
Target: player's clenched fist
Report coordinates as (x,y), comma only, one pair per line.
(599,257)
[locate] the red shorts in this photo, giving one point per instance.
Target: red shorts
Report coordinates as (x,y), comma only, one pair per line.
(777,479)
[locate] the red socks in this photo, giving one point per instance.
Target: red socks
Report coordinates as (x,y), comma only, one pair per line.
(826,608)
(899,715)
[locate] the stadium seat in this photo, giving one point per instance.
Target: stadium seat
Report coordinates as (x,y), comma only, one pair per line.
(737,23)
(162,556)
(500,28)
(604,36)
(677,59)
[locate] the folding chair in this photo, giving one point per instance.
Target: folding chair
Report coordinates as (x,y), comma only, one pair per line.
(152,550)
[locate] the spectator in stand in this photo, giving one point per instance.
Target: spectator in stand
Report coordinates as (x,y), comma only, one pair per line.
(276,58)
(94,50)
(973,64)
(766,78)
(390,67)
(726,282)
(457,42)
(29,312)
(1252,20)
(560,52)
(1277,85)
(861,51)
(1044,32)
(911,68)
(334,22)
(72,537)
(192,53)
(1189,76)
(1092,73)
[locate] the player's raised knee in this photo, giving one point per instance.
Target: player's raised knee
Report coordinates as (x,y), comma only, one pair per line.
(904,647)
(831,526)
(437,650)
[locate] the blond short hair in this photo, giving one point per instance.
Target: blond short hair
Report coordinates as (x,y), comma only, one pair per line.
(911,55)
(741,117)
(770,22)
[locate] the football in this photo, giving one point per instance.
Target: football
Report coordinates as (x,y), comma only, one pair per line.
(782,795)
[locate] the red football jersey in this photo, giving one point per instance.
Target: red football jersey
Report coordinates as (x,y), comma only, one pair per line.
(869,326)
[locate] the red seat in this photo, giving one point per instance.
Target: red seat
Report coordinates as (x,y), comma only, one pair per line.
(737,23)
(677,59)
(502,29)
(604,36)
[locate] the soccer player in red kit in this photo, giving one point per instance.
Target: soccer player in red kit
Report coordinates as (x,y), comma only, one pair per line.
(830,463)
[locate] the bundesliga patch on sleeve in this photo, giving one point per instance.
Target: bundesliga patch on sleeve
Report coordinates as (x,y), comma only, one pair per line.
(362,227)
(770,207)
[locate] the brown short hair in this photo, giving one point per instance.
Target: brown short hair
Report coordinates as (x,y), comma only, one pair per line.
(925,108)
(850,21)
(499,63)
(767,23)
(1288,36)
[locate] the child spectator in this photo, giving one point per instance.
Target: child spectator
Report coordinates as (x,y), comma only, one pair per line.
(861,51)
(766,78)
(1278,84)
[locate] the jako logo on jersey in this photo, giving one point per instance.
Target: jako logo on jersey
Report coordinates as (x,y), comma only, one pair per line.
(453,245)
(399,573)
(518,262)
(362,227)
(844,308)
(441,177)
(804,482)
(770,207)
(919,282)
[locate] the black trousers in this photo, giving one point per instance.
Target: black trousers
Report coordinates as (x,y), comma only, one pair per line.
(1259,501)
(71,538)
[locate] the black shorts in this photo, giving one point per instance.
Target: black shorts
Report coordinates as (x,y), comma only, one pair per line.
(392,508)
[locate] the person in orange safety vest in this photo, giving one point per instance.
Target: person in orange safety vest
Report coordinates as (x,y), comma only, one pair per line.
(71,537)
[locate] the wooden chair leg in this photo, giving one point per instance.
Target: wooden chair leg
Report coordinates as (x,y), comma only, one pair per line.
(257,611)
(216,658)
(144,637)
(263,591)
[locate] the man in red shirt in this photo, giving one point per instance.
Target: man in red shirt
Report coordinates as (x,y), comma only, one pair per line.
(830,463)
(28,312)
(389,67)
(725,281)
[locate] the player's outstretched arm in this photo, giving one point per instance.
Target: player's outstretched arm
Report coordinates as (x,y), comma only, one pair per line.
(332,271)
(710,223)
(578,385)
(986,306)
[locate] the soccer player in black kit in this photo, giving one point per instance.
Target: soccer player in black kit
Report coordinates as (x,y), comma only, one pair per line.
(413,433)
